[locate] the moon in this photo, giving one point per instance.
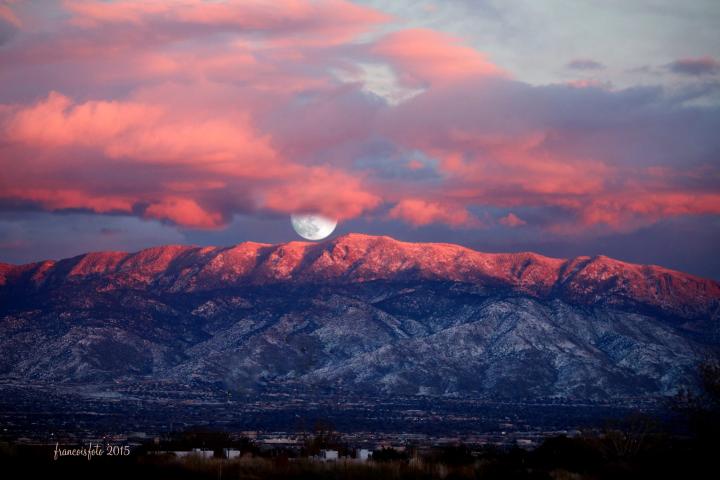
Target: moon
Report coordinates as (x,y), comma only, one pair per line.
(313,226)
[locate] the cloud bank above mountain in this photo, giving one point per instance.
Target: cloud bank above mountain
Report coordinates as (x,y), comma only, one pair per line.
(191,112)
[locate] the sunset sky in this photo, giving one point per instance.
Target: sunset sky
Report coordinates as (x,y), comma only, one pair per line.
(562,127)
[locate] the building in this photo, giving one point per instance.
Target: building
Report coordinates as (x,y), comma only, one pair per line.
(232,453)
(180,453)
(196,452)
(328,455)
(362,454)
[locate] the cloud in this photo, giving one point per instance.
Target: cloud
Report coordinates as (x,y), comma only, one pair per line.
(192,116)
(109,231)
(333,193)
(7,15)
(423,57)
(59,197)
(183,211)
(9,23)
(589,83)
(55,121)
(695,67)
(584,64)
(181,150)
(173,144)
(319,21)
(419,212)
(512,220)
(506,144)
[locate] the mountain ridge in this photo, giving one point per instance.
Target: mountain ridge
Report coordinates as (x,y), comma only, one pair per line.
(361,314)
(4,266)
(219,249)
(360,258)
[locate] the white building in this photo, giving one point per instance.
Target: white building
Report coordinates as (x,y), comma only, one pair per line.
(362,454)
(328,455)
(203,453)
(231,453)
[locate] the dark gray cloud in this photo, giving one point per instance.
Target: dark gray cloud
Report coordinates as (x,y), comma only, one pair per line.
(584,64)
(7,31)
(32,236)
(695,66)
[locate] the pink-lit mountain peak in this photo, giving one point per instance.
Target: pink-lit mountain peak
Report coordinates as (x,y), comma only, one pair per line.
(356,258)
(389,254)
(338,251)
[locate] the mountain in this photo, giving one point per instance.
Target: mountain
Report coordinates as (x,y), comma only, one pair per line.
(362,314)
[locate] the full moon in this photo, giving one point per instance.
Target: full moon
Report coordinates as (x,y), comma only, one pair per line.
(313,226)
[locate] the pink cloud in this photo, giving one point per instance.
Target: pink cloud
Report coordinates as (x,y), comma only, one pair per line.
(415,165)
(419,212)
(7,14)
(427,56)
(497,148)
(64,198)
(190,112)
(145,132)
(325,21)
(695,66)
(627,210)
(330,192)
(184,211)
(201,156)
(588,83)
(512,220)
(55,121)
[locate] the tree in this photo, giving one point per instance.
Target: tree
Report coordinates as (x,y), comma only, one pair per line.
(325,438)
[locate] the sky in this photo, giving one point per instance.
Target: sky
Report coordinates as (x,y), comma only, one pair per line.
(560,127)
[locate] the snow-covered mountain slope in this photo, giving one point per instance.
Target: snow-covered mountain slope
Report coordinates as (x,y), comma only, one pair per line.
(359,313)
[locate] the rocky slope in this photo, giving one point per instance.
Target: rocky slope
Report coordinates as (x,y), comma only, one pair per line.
(359,313)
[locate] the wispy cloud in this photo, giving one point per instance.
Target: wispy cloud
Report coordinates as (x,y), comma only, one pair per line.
(585,64)
(695,67)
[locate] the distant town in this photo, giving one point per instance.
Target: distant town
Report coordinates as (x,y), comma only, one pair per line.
(153,412)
